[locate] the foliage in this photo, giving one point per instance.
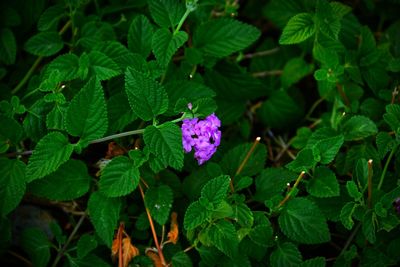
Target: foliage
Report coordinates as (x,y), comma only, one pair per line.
(93,98)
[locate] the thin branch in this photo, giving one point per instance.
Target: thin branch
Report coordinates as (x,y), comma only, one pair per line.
(267,73)
(262,53)
(287,197)
(114,136)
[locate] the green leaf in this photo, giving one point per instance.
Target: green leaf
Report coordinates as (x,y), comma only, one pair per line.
(8,46)
(121,55)
(271,182)
(361,172)
(281,111)
(303,162)
(49,154)
(234,157)
(384,143)
(104,214)
(353,191)
(286,254)
(50,18)
(94,32)
(119,113)
(10,131)
(35,121)
(165,142)
(195,215)
(103,67)
(166,13)
(159,202)
(314,262)
(327,142)
(44,44)
(73,173)
(262,235)
(67,65)
(36,244)
(295,69)
(119,177)
(324,183)
(12,184)
(392,117)
(85,245)
(87,114)
(181,259)
(358,127)
(216,189)
(339,9)
(223,235)
(302,221)
(346,215)
(165,44)
(140,34)
(298,29)
(222,37)
(368,226)
(147,97)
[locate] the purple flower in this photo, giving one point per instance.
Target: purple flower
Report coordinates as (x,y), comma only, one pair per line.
(396,204)
(202,135)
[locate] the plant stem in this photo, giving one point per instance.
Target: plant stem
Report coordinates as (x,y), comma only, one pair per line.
(287,197)
(159,250)
(386,166)
(36,63)
(187,12)
(350,239)
(262,53)
(71,236)
(369,183)
(267,73)
(243,163)
(110,137)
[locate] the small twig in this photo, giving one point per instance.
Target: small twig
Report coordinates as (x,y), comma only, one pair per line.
(287,197)
(394,149)
(243,163)
(350,239)
(27,262)
(159,250)
(267,73)
(61,252)
(394,94)
(114,136)
(343,94)
(262,53)
(189,248)
(369,183)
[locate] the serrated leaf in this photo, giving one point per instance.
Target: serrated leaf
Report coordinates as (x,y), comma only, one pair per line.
(44,44)
(358,127)
(8,46)
(302,221)
(195,215)
(104,214)
(147,97)
(49,154)
(346,215)
(303,162)
(166,13)
(261,235)
(35,121)
(384,143)
(140,34)
(392,117)
(12,184)
(159,202)
(222,37)
(103,67)
(121,55)
(298,29)
(73,173)
(165,142)
(361,172)
(216,189)
(94,32)
(36,244)
(181,259)
(10,131)
(234,157)
(327,142)
(87,114)
(314,262)
(165,44)
(295,69)
(353,191)
(286,254)
(324,183)
(67,65)
(85,245)
(50,18)
(368,226)
(223,235)
(271,182)
(119,178)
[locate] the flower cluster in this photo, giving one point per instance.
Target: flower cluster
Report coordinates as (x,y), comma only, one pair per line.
(202,135)
(396,204)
